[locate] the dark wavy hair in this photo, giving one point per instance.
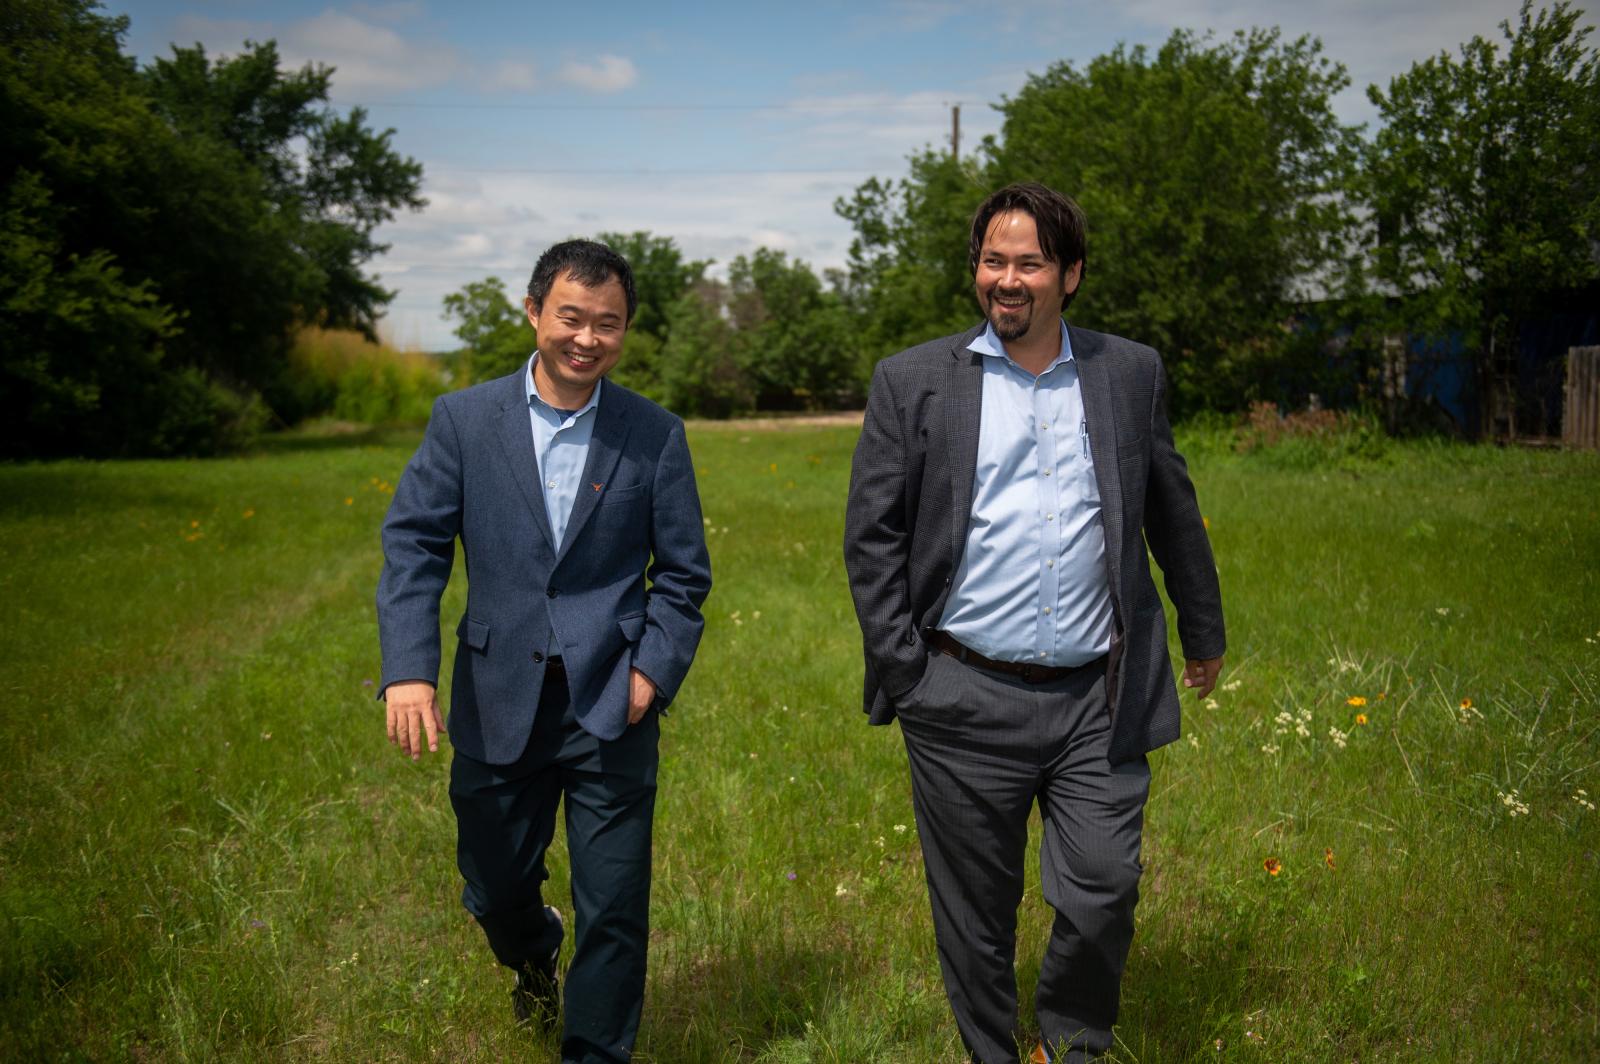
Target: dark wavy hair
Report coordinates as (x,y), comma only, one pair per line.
(1063,229)
(590,263)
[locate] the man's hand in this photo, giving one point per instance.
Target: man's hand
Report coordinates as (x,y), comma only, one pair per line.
(641,692)
(413,712)
(1201,674)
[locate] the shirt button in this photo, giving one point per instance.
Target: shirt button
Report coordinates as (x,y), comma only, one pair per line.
(1051,564)
(1049,517)
(1047,609)
(1041,653)
(1047,472)
(550,484)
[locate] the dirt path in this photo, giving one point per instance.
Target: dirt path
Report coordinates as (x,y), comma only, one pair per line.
(843,419)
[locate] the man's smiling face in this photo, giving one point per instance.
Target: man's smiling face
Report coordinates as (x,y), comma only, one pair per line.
(1021,292)
(580,331)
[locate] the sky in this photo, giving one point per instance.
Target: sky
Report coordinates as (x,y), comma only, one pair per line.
(726,126)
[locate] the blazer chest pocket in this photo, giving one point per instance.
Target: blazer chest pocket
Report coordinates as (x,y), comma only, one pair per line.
(474,634)
(627,493)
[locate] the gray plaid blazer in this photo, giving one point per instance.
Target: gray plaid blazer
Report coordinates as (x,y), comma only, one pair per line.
(911,486)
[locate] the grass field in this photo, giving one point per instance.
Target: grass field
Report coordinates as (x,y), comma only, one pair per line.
(208,851)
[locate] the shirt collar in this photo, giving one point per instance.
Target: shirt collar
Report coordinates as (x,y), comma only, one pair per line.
(990,345)
(534,397)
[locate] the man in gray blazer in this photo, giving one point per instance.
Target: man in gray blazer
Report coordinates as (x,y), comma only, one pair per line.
(1004,488)
(575,505)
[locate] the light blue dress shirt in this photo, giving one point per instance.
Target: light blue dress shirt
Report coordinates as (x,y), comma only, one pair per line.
(561,444)
(1032,585)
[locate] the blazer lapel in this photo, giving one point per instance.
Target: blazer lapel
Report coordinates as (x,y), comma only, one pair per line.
(963,422)
(516,439)
(1094,378)
(605,447)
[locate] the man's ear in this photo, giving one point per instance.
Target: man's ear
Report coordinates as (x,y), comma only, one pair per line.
(532,310)
(1071,279)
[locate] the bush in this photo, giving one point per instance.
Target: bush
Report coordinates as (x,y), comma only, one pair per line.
(195,415)
(1305,439)
(341,373)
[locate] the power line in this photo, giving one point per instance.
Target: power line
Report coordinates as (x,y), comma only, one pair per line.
(798,108)
(647,171)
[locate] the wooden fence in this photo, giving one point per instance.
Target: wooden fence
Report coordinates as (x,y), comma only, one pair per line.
(1580,421)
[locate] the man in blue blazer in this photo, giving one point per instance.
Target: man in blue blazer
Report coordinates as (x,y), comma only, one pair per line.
(575,505)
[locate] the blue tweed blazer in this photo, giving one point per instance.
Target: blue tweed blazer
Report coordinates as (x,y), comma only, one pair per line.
(623,589)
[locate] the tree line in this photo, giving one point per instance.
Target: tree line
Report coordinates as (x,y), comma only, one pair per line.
(1266,248)
(1263,246)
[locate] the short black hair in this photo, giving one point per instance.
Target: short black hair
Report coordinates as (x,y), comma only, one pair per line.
(1063,228)
(590,263)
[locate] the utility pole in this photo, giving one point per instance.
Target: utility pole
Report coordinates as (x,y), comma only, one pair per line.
(955,132)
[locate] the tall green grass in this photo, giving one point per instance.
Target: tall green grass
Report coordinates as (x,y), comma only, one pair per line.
(207,850)
(340,374)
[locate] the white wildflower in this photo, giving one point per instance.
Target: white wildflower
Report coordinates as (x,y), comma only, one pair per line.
(1513,802)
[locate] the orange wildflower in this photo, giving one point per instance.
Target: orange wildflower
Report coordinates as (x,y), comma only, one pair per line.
(1466,703)
(1355,700)
(1361,718)
(1272,865)
(1327,856)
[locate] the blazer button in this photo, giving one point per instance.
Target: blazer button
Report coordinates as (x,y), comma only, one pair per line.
(538,656)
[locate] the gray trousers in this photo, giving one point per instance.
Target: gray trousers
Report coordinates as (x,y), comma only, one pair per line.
(983,747)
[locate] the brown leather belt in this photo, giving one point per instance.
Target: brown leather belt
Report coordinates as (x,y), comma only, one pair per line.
(1025,671)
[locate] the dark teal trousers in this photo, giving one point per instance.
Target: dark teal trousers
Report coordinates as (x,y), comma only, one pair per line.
(505,818)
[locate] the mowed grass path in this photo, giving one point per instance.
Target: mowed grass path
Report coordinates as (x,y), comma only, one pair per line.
(208,851)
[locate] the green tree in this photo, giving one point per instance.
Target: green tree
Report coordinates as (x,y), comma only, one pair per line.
(793,338)
(494,334)
(82,341)
(1485,181)
(1217,184)
(165,232)
(907,278)
(699,371)
(300,191)
(660,276)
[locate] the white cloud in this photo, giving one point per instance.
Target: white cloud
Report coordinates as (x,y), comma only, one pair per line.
(606,73)
(369,57)
(365,57)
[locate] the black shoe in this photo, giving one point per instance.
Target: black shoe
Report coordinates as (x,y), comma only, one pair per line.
(536,999)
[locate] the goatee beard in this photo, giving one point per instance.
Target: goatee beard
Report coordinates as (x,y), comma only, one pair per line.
(1009,324)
